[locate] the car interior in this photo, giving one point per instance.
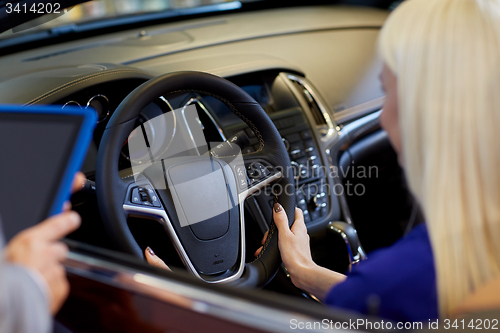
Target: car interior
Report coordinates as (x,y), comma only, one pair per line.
(313,70)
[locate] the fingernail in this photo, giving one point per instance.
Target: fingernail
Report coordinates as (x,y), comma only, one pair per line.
(151,252)
(277,208)
(74,217)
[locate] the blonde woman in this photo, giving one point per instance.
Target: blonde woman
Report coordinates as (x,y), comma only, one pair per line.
(442,114)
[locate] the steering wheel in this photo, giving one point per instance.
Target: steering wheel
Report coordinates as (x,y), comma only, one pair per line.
(212,250)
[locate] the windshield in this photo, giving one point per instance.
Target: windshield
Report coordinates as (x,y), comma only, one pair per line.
(102,10)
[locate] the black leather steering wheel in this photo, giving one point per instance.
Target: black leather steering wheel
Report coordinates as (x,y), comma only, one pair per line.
(113,192)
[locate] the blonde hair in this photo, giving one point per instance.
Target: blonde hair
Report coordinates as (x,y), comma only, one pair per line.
(446,57)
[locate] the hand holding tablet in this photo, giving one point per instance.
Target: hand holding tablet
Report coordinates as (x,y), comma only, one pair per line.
(42,150)
(39,248)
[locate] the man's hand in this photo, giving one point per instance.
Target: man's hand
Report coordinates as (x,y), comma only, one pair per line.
(296,255)
(38,248)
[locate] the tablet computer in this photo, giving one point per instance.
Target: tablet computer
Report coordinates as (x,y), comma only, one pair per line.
(41,149)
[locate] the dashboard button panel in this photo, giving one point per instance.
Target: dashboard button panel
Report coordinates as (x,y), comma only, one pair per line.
(144,196)
(312,194)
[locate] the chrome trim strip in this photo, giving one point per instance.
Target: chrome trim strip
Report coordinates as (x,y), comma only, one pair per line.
(350,130)
(184,295)
(353,260)
(107,100)
(349,250)
(167,102)
(69,102)
(242,196)
(161,216)
(362,252)
(359,110)
(307,86)
(347,134)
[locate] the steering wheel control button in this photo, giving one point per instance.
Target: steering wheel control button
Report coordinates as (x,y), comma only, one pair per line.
(257,171)
(152,196)
(252,173)
(145,196)
(242,177)
(135,197)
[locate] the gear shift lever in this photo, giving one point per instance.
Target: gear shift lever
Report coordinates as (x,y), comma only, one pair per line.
(350,236)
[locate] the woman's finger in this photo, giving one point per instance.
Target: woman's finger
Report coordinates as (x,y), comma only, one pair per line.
(280,219)
(299,226)
(154,260)
(264,238)
(257,253)
(78,182)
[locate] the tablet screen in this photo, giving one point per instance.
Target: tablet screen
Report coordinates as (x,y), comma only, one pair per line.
(35,150)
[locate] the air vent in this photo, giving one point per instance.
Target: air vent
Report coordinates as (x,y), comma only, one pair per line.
(319,113)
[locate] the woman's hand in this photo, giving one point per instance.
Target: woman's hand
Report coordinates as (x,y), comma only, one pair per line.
(38,248)
(296,255)
(154,260)
(293,244)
